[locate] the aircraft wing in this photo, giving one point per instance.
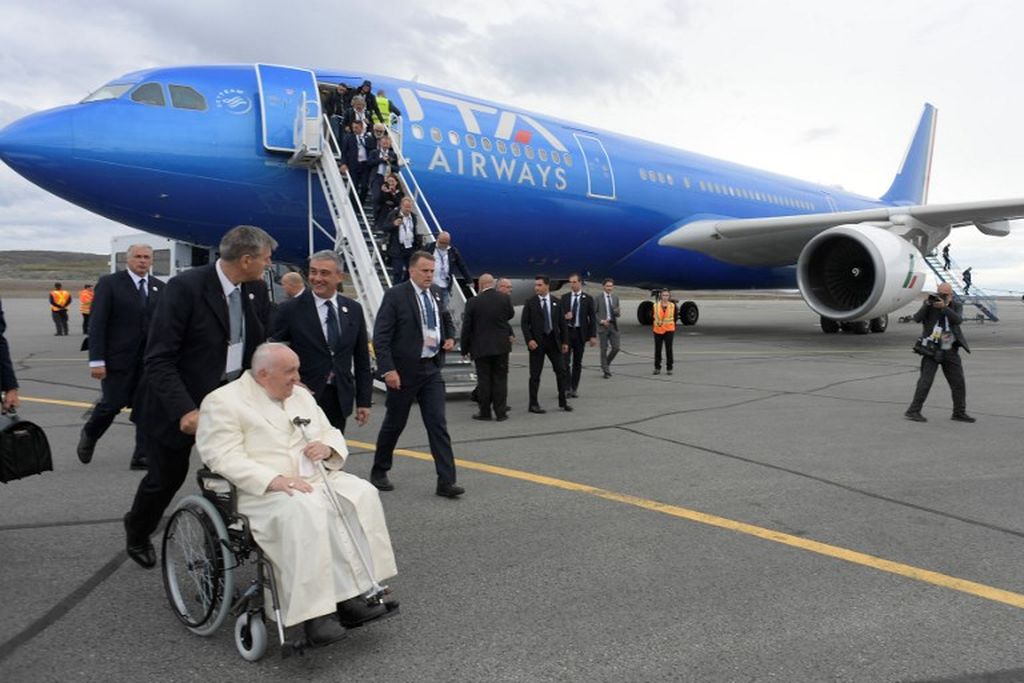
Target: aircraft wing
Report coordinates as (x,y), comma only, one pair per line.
(778,240)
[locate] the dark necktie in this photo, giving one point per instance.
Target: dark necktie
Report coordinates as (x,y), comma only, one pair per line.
(142,290)
(333,333)
(575,310)
(547,315)
(428,311)
(235,315)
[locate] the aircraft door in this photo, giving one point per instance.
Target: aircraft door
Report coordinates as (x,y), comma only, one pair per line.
(600,177)
(281,94)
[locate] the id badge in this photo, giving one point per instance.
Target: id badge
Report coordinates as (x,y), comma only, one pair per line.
(430,342)
(234,361)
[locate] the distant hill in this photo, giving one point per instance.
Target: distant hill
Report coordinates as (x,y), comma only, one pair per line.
(53,265)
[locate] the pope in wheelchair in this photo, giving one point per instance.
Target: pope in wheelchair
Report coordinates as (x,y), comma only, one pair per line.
(271,441)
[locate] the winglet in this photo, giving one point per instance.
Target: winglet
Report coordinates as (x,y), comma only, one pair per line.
(911,183)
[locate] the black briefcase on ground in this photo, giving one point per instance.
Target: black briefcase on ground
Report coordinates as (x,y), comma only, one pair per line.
(24,449)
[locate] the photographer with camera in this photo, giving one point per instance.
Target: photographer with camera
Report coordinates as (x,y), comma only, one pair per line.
(940,317)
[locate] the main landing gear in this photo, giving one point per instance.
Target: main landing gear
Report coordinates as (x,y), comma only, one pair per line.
(878,325)
(687,312)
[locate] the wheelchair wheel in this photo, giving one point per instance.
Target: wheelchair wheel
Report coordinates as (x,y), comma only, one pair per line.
(197,565)
(250,636)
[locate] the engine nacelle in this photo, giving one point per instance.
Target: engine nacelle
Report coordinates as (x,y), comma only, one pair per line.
(859,272)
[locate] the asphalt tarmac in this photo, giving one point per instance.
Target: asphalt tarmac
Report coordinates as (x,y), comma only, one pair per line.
(763,514)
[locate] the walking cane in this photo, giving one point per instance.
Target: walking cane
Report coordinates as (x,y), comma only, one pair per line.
(378,590)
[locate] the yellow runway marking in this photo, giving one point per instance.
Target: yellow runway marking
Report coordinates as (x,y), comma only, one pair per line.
(905,570)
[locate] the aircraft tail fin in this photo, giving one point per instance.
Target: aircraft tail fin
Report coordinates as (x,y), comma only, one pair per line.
(911,183)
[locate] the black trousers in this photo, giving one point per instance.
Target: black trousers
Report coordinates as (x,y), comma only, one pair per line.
(551,349)
(168,467)
(328,402)
(953,369)
(577,344)
(492,384)
(85,323)
(118,391)
(425,386)
(666,341)
(60,321)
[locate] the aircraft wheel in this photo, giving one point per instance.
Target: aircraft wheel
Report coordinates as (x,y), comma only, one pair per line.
(829,326)
(688,313)
(860,327)
(645,313)
(880,324)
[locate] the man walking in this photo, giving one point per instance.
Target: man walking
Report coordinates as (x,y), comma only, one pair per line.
(410,336)
(545,331)
(485,338)
(328,332)
(207,324)
(447,260)
(581,316)
(608,313)
(123,306)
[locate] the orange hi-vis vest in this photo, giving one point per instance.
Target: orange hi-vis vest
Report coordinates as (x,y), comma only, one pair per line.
(85,301)
(59,299)
(664,322)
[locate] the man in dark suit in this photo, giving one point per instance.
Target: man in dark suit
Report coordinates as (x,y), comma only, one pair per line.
(581,316)
(447,260)
(486,338)
(8,382)
(400,226)
(410,336)
(940,316)
(328,333)
(119,321)
(355,152)
(546,334)
(381,162)
(207,324)
(608,314)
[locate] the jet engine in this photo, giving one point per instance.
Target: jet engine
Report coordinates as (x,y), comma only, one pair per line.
(858,272)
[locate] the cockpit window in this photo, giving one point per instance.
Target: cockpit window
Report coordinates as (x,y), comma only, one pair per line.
(149,93)
(111,91)
(184,97)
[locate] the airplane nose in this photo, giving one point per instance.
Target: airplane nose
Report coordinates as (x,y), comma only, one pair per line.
(39,144)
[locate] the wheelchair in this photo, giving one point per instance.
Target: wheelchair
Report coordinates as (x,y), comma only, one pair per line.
(204,542)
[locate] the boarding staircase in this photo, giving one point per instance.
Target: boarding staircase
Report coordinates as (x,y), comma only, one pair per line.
(354,234)
(984,302)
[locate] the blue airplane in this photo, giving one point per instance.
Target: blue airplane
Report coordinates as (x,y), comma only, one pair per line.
(189,152)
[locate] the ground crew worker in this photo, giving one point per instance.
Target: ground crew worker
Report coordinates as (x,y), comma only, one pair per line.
(664,330)
(85,306)
(60,302)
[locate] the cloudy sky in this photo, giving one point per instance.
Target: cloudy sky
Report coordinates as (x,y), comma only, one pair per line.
(825,91)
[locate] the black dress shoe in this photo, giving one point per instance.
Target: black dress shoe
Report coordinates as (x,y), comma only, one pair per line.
(86,446)
(567,408)
(915,416)
(962,417)
(139,464)
(572,394)
(323,630)
(501,417)
(356,611)
(537,409)
(478,416)
(382,483)
(449,490)
(607,374)
(657,372)
(142,552)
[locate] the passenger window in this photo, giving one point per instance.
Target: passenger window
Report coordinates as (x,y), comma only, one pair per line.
(470,141)
(501,146)
(542,154)
(453,137)
(417,131)
(643,174)
(555,157)
(435,135)
(528,151)
(566,159)
(486,144)
(515,149)
(149,93)
(184,97)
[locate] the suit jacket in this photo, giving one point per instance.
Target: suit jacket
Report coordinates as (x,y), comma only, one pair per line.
(928,316)
(392,230)
(485,328)
(602,309)
(398,333)
(350,149)
(455,262)
(533,321)
(297,322)
(7,378)
(378,156)
(119,322)
(187,347)
(587,313)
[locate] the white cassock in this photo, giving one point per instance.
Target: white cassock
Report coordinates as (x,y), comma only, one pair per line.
(248,438)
